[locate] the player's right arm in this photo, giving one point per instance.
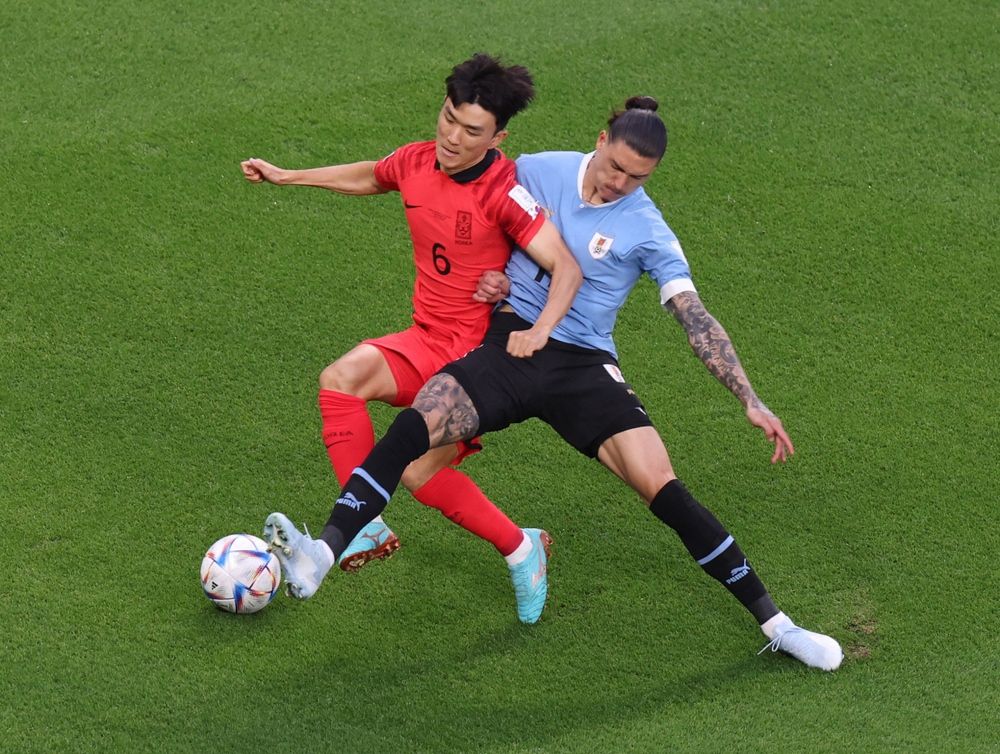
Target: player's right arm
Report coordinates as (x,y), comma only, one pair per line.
(355,179)
(712,345)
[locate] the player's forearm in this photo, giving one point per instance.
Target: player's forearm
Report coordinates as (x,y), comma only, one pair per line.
(712,345)
(565,282)
(551,254)
(355,179)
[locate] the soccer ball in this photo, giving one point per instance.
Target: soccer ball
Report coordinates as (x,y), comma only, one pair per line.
(239,575)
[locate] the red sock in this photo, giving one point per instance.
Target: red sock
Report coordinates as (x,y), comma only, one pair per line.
(460,500)
(347,431)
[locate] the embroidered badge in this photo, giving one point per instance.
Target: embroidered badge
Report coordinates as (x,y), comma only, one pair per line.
(600,245)
(463,226)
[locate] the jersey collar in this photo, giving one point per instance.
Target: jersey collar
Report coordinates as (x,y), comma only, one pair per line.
(470,174)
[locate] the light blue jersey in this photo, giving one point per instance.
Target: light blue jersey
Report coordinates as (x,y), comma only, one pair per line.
(614,243)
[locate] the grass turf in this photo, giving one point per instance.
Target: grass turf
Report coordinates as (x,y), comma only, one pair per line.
(832,174)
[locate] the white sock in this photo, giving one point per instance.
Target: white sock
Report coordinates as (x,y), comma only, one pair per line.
(326,548)
(378,518)
(770,624)
(521,553)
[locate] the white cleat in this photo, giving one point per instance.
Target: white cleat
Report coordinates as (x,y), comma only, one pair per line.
(304,560)
(815,650)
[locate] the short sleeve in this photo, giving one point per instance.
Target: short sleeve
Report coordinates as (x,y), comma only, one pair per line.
(513,207)
(664,261)
(389,171)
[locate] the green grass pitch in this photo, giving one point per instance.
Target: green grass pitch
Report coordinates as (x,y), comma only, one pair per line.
(833,176)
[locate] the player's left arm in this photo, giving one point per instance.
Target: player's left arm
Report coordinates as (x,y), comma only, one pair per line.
(712,345)
(551,254)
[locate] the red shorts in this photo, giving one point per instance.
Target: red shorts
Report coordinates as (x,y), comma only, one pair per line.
(417,354)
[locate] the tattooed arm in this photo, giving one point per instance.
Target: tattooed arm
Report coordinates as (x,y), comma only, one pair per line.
(712,345)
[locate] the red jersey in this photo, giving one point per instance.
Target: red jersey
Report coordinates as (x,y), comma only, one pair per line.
(461,226)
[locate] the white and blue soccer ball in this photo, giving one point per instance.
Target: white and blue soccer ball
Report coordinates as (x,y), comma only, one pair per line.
(239,574)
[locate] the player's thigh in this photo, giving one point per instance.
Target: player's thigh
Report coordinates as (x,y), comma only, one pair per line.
(639,457)
(447,410)
(587,400)
(362,372)
(489,391)
(418,473)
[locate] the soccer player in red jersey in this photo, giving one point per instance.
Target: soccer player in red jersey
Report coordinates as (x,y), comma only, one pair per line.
(465,211)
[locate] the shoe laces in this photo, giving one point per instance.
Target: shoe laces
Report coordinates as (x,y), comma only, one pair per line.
(775,644)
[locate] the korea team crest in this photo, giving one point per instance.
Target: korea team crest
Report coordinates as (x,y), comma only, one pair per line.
(463,226)
(600,245)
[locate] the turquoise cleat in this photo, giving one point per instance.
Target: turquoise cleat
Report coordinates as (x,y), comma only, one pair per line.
(375,542)
(304,560)
(530,579)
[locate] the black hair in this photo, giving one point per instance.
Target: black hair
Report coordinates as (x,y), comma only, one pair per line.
(485,81)
(639,127)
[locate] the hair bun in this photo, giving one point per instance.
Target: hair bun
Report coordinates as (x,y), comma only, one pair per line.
(641,103)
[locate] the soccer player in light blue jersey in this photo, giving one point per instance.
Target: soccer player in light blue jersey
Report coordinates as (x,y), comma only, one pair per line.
(614,242)
(575,384)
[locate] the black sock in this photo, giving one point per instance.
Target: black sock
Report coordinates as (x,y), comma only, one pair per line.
(371,485)
(712,547)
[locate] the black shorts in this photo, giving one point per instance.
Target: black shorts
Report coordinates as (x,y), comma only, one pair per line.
(579,392)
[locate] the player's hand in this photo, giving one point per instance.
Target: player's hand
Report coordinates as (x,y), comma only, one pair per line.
(523,343)
(761,416)
(492,288)
(258,171)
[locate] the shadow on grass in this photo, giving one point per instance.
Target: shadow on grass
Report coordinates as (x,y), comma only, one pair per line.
(504,688)
(364,668)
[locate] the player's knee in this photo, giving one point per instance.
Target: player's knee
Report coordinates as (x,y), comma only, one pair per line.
(646,479)
(649,485)
(361,372)
(335,377)
(421,471)
(414,477)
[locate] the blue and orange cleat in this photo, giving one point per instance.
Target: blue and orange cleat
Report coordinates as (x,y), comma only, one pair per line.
(530,577)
